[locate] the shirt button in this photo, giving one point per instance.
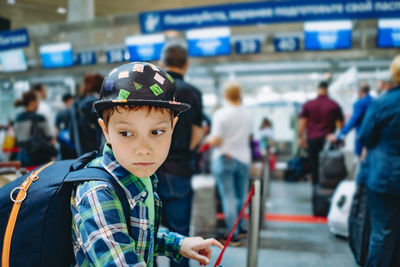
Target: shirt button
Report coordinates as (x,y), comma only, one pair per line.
(144,227)
(144,193)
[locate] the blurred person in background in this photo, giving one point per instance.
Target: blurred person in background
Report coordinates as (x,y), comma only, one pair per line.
(360,107)
(318,118)
(85,132)
(229,138)
(62,123)
(384,83)
(174,187)
(266,135)
(44,107)
(24,125)
(380,132)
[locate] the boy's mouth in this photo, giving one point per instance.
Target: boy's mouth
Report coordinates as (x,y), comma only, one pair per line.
(143,163)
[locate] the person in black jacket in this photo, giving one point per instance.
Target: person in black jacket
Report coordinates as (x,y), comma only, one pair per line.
(85,132)
(175,174)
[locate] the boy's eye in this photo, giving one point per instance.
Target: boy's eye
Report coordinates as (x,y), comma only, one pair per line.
(125,134)
(157,132)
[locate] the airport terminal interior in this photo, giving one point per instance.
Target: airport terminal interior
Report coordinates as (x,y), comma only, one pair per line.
(278,51)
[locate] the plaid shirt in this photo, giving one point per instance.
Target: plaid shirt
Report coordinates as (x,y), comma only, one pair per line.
(99,230)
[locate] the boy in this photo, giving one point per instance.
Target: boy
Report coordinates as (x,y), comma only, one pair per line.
(137,115)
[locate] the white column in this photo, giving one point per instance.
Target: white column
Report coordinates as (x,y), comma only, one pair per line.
(80,10)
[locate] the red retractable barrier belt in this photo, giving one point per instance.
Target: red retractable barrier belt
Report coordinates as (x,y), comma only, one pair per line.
(251,193)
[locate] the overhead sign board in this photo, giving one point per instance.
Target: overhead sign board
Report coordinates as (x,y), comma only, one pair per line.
(13,60)
(14,39)
(209,42)
(145,47)
(266,12)
(56,55)
(327,35)
(388,33)
(115,55)
(247,46)
(86,58)
(287,44)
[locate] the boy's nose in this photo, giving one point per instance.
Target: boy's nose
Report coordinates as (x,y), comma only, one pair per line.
(143,148)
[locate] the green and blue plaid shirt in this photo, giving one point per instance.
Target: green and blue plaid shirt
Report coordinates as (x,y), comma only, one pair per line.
(99,229)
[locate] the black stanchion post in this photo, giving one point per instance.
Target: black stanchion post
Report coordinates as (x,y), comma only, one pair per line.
(254,224)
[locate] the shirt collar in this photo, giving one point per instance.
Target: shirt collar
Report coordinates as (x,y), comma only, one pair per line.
(175,75)
(133,186)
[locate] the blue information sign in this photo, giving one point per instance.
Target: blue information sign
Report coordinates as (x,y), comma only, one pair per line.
(57,55)
(145,47)
(209,42)
(248,46)
(389,33)
(14,39)
(286,44)
(266,12)
(86,58)
(327,35)
(115,55)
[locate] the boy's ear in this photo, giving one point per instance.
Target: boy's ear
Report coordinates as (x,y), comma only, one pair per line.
(104,128)
(174,121)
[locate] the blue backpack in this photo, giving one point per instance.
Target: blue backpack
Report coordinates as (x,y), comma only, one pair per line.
(42,231)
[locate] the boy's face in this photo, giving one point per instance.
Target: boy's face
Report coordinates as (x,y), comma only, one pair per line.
(140,139)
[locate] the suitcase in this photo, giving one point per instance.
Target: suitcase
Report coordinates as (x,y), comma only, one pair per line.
(359,225)
(332,167)
(321,200)
(339,211)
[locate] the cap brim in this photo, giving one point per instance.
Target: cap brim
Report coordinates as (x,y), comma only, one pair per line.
(177,107)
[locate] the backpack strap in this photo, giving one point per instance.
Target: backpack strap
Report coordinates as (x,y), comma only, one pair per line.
(98,174)
(14,212)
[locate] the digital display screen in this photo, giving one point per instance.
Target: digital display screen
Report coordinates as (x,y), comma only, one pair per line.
(248,46)
(388,33)
(56,55)
(115,55)
(86,58)
(145,47)
(209,42)
(13,60)
(328,35)
(286,44)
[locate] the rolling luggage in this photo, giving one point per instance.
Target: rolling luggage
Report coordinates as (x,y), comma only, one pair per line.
(321,200)
(359,225)
(298,167)
(332,167)
(338,216)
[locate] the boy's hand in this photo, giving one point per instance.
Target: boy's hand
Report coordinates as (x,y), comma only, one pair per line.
(198,248)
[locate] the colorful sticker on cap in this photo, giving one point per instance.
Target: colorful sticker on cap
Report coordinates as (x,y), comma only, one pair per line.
(156,89)
(123,94)
(159,78)
(154,67)
(109,85)
(123,74)
(169,78)
(138,67)
(137,85)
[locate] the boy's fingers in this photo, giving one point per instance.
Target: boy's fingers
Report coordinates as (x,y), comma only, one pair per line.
(212,241)
(200,258)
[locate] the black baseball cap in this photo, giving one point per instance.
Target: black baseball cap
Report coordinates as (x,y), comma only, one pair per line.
(139,83)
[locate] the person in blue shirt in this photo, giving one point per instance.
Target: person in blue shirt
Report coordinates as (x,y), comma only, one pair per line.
(379,133)
(359,109)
